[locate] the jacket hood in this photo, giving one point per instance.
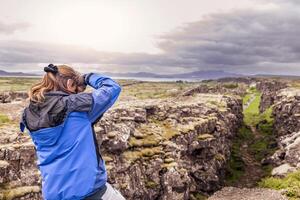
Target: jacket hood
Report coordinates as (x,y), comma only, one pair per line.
(49,113)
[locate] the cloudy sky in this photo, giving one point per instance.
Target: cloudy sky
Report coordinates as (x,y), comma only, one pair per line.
(160,36)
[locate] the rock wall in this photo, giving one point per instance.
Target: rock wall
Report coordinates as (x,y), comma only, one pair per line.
(269,90)
(7,97)
(153,149)
(170,148)
(219,88)
(286,113)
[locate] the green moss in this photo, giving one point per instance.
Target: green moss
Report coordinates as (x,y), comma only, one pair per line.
(13,193)
(131,156)
(108,159)
(291,183)
(246,98)
(198,196)
(147,141)
(252,89)
(236,165)
(4,119)
(263,147)
(245,133)
(168,160)
(169,165)
(231,85)
(151,184)
(205,136)
(251,113)
(219,157)
(259,149)
(169,131)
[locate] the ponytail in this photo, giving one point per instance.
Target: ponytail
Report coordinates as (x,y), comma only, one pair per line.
(54,82)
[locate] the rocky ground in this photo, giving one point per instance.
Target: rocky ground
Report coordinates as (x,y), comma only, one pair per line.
(287,126)
(177,141)
(154,149)
(231,193)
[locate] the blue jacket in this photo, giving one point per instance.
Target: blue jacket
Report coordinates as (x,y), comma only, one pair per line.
(66,147)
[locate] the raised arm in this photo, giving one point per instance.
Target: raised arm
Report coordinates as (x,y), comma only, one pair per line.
(104,96)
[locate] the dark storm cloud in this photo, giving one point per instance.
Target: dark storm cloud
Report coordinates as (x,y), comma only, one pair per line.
(37,52)
(243,41)
(239,38)
(10,28)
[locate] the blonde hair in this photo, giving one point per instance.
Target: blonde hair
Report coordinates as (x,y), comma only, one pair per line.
(55,82)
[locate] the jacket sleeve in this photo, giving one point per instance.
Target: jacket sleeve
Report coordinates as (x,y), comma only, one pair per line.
(104,96)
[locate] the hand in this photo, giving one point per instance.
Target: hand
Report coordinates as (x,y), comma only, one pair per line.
(81,84)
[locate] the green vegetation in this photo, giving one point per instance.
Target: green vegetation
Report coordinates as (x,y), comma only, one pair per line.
(131,156)
(251,113)
(236,165)
(291,183)
(14,193)
(147,141)
(151,184)
(231,85)
(197,196)
(256,134)
(246,98)
(16,83)
(262,148)
(205,136)
(262,123)
(4,119)
(156,90)
(169,165)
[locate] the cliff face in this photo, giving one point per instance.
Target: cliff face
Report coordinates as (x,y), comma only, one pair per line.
(219,88)
(154,149)
(170,148)
(269,90)
(286,113)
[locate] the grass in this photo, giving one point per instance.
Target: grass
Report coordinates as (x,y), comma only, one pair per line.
(264,123)
(236,165)
(156,90)
(246,98)
(231,85)
(16,83)
(136,89)
(291,183)
(197,196)
(259,148)
(4,119)
(251,113)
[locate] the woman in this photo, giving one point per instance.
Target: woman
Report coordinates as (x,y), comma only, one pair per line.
(60,119)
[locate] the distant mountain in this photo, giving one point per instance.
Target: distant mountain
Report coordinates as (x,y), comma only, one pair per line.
(210,74)
(5,73)
(277,76)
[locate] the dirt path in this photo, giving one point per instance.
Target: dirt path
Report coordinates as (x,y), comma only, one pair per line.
(253,170)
